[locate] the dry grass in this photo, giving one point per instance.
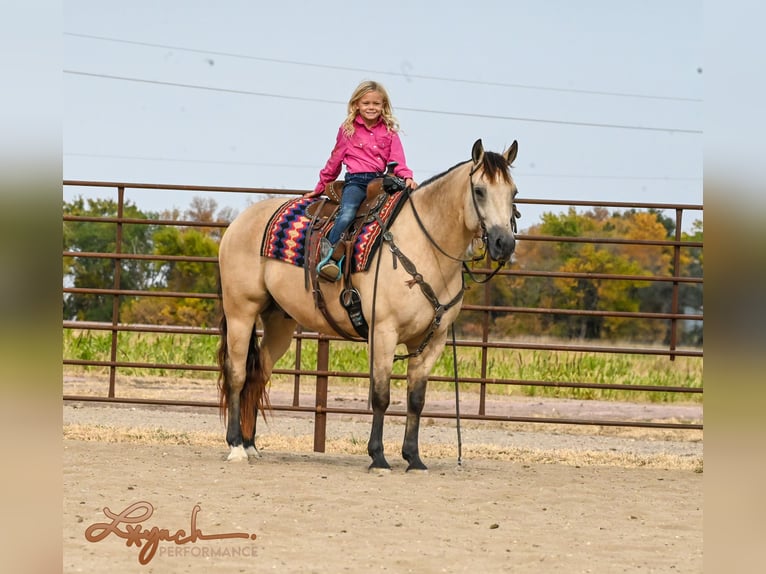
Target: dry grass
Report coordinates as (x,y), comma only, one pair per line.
(304,443)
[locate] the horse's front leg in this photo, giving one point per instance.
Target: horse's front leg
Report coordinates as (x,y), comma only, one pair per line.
(416,399)
(418,370)
(382,357)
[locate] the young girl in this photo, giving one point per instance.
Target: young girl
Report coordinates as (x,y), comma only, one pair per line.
(366,142)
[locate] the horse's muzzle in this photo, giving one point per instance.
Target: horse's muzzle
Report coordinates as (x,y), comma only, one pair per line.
(501,243)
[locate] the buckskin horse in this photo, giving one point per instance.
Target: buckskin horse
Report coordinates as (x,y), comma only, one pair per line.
(410,294)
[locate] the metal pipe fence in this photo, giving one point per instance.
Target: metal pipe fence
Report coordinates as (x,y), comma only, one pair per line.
(322,374)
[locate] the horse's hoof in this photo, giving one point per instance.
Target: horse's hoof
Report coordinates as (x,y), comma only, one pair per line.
(237,454)
(379,470)
(417,470)
(252,452)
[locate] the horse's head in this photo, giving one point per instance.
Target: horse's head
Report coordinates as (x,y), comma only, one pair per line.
(491,200)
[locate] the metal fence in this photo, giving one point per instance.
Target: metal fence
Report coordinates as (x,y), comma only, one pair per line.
(322,374)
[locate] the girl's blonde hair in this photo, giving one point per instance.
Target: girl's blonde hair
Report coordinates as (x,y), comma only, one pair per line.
(362,90)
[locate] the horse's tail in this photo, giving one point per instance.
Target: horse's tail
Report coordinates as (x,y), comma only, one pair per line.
(223,379)
(253,394)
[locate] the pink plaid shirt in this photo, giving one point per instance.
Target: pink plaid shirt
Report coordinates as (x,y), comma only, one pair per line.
(365,151)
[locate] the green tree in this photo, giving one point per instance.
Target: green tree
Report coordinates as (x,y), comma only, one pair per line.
(96,272)
(184,276)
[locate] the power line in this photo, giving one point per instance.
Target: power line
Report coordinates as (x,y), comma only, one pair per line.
(317,167)
(381,72)
(183,160)
(410,109)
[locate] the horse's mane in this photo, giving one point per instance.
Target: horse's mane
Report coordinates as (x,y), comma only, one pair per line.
(493,164)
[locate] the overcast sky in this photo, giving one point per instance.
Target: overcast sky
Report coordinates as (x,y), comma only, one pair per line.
(604,97)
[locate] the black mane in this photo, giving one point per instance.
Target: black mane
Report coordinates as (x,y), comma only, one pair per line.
(494,165)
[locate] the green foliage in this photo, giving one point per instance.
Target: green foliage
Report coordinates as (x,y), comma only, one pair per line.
(514,365)
(98,237)
(550,292)
(151,348)
(178,276)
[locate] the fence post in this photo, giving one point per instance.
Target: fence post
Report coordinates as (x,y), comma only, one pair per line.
(298,335)
(674,298)
(484,339)
(320,417)
(116,296)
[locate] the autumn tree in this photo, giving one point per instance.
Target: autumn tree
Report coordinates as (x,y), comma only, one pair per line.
(605,256)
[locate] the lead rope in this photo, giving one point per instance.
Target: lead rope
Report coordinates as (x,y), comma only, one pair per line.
(457,400)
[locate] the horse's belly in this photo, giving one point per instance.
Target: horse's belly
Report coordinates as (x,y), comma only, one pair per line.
(287,285)
(404,310)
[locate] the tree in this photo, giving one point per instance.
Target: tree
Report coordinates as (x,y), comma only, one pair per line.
(690,295)
(588,293)
(184,276)
(99,273)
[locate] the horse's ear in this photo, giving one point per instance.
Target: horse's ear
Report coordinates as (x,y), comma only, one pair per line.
(510,153)
(477,153)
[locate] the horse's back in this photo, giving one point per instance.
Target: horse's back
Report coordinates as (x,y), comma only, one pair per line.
(245,234)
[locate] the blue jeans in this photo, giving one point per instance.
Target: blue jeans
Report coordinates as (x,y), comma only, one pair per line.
(354,193)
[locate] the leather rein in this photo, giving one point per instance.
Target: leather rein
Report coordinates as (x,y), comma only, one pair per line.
(417,278)
(484,240)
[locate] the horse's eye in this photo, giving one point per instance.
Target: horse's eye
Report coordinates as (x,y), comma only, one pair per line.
(480,192)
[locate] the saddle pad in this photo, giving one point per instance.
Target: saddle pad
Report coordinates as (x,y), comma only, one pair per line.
(285,235)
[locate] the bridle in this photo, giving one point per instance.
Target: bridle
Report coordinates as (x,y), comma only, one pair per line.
(483,237)
(417,279)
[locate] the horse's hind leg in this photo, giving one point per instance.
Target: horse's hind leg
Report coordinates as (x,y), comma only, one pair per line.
(238,338)
(278,330)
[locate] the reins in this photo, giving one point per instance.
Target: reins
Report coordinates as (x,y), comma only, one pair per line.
(500,264)
(457,399)
(425,288)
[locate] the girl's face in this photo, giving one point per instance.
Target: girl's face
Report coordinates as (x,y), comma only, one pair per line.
(370,106)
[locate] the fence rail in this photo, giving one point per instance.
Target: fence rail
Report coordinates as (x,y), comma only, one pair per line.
(321,374)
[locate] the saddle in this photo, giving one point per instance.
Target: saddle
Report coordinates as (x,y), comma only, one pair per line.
(334,191)
(322,214)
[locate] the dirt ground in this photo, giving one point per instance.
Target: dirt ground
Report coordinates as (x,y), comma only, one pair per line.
(526,498)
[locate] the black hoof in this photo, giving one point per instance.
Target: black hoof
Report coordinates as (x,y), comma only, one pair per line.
(379,466)
(417,466)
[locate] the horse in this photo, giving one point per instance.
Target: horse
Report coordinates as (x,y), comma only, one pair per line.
(412,303)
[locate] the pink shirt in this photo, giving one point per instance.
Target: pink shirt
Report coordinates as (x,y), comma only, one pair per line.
(366,150)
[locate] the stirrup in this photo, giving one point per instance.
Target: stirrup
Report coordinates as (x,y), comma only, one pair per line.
(330,269)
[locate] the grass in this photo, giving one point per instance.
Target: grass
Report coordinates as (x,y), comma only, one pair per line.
(352,446)
(515,364)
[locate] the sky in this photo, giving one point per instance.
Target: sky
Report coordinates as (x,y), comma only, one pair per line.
(605,98)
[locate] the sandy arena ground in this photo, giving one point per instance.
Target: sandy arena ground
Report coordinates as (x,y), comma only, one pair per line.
(527,498)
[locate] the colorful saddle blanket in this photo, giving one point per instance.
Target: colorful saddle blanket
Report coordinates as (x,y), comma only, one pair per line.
(285,235)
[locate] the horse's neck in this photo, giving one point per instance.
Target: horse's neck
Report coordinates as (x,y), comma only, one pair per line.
(440,206)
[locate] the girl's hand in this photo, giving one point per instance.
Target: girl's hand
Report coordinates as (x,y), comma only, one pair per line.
(411,183)
(311,194)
